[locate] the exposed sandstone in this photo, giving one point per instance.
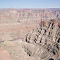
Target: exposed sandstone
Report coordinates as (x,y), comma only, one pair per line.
(47,36)
(30,34)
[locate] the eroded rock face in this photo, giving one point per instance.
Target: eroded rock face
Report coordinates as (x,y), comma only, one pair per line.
(43,43)
(32,15)
(47,35)
(22,21)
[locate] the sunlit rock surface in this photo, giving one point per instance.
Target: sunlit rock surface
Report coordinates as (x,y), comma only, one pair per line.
(30,34)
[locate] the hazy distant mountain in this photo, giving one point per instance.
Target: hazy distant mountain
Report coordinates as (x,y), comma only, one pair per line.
(23,15)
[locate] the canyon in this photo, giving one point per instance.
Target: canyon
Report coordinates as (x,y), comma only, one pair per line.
(30,34)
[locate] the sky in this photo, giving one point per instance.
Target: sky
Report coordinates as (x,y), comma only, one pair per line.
(29,3)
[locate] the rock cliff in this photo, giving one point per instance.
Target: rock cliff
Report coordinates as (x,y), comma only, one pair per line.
(46,35)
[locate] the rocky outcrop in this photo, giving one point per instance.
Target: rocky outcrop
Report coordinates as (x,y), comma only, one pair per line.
(30,34)
(47,35)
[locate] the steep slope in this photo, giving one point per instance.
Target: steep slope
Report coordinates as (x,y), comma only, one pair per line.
(46,35)
(30,34)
